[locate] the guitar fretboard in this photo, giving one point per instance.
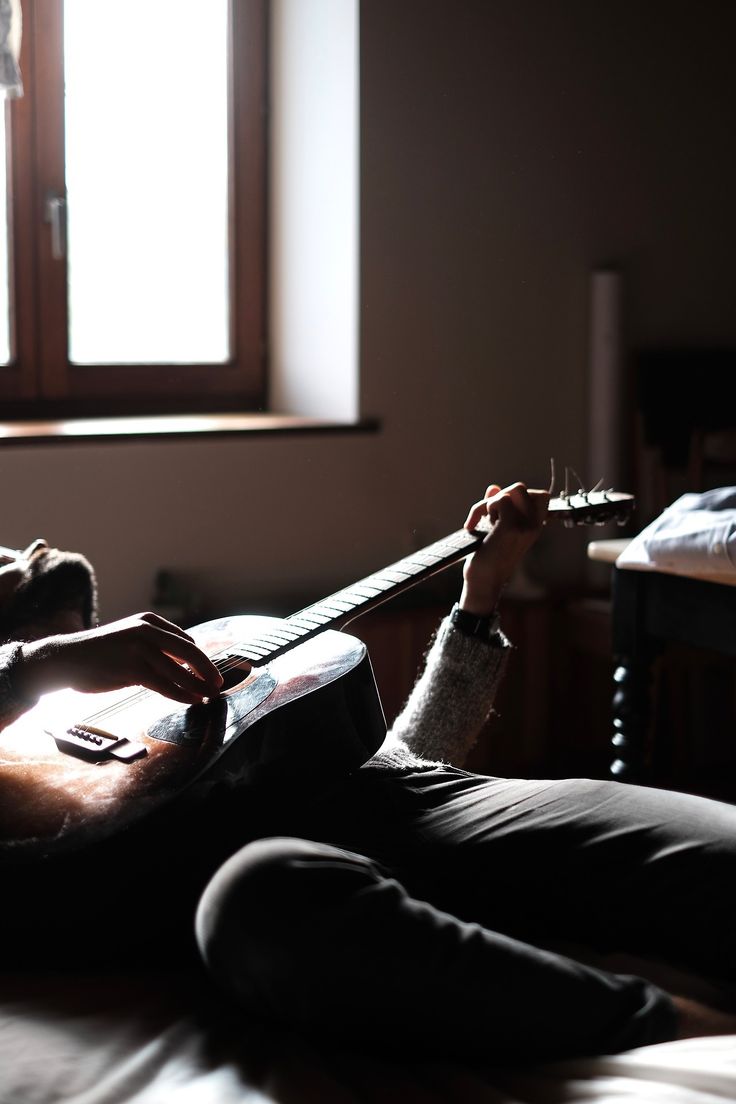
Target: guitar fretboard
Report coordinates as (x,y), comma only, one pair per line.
(336,611)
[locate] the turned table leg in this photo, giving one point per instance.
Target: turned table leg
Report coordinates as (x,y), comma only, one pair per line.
(631,719)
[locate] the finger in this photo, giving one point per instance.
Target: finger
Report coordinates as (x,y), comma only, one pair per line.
(173,680)
(477,511)
(518,494)
(184,650)
(540,504)
(204,675)
(161,623)
(518,504)
(515,510)
(531,504)
(152,680)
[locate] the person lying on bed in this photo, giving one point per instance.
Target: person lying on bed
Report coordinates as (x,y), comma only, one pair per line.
(418,907)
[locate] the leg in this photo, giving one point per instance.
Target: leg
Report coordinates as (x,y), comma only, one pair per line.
(323,939)
(611,866)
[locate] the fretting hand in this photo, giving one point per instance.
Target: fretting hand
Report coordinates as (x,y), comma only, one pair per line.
(517,515)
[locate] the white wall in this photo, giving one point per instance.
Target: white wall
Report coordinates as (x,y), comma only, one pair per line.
(506,149)
(313,208)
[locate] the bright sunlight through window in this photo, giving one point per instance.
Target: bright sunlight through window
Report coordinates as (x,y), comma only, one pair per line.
(146,118)
(4,258)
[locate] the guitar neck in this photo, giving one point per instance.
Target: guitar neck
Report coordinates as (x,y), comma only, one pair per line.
(342,607)
(339,609)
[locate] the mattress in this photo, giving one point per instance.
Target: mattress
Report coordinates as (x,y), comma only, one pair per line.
(165,1039)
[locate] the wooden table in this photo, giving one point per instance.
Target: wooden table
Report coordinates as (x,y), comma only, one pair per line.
(650,610)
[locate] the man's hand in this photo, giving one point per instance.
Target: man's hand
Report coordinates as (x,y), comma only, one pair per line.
(143,650)
(517,515)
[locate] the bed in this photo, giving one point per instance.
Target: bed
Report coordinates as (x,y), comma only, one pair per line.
(169,1039)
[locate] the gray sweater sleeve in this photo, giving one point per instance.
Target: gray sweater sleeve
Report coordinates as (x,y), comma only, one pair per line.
(452,698)
(11,706)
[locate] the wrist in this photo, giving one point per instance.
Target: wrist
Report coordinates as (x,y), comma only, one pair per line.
(34,673)
(483,602)
(479,627)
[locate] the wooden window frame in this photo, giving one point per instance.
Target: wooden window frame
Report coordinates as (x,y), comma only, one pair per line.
(41,382)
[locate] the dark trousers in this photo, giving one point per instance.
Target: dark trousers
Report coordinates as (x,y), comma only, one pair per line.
(413,908)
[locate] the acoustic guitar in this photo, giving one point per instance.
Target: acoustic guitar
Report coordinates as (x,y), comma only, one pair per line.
(78,768)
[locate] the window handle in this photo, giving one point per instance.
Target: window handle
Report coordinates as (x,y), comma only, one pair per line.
(55,215)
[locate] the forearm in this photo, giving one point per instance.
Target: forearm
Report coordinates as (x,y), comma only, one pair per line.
(453,696)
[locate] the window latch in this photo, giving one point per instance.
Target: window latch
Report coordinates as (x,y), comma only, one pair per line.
(55,215)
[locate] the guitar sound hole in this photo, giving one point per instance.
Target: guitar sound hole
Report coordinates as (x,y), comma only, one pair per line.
(233,676)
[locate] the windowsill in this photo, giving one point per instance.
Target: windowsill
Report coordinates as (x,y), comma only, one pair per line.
(171,426)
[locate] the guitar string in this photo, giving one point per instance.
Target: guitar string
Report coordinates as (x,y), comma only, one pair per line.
(447,547)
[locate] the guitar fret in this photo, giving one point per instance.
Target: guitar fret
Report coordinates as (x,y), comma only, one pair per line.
(405,565)
(458,541)
(253,651)
(336,612)
(394,575)
(412,566)
(354,598)
(308,625)
(373,582)
(426,558)
(283,630)
(277,641)
(301,633)
(281,638)
(311,616)
(338,604)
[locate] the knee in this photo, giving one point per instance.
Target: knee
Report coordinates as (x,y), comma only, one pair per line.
(246,903)
(263,915)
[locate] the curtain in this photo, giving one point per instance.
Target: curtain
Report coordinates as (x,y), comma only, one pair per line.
(10,32)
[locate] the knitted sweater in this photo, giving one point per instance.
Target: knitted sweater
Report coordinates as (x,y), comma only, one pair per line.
(440,721)
(449,703)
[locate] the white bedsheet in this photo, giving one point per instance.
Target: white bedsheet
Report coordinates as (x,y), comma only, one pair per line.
(695,536)
(93,1041)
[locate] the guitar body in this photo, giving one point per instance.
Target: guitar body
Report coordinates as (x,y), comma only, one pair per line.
(313,708)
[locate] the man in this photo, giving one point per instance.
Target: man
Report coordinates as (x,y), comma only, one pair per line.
(416,904)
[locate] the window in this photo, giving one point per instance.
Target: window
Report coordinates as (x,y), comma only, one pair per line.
(132,263)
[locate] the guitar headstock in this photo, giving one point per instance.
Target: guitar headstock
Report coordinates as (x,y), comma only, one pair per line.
(592,508)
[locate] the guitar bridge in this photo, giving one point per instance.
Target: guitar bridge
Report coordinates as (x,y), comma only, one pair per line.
(94,745)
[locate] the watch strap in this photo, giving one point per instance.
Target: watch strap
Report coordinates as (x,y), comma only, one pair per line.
(471,624)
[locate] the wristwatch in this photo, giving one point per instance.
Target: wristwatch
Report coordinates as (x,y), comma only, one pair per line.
(486,629)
